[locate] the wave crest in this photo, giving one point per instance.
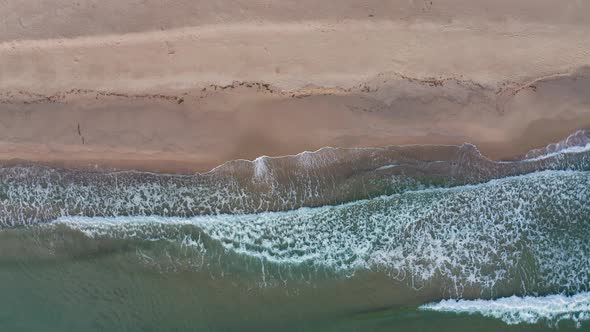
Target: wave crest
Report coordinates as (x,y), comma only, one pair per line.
(551,309)
(520,234)
(329,176)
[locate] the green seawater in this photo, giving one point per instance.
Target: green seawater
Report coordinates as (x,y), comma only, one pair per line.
(104,292)
(365,265)
(401,238)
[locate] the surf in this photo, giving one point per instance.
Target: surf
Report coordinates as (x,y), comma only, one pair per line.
(32,194)
(464,228)
(550,309)
(512,235)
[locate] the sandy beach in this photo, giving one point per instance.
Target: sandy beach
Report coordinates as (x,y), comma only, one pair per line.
(294,165)
(184,86)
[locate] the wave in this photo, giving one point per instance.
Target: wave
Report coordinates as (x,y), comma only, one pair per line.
(527,233)
(329,176)
(551,309)
(575,143)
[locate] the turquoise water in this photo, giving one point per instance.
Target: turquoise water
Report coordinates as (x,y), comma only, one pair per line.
(393,239)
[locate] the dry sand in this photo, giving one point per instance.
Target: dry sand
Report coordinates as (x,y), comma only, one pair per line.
(182,86)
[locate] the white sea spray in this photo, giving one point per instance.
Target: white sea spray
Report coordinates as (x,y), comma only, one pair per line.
(551,309)
(470,236)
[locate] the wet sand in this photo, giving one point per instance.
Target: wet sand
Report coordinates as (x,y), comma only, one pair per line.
(196,131)
(186,86)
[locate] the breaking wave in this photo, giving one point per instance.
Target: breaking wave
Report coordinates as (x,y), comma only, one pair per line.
(575,143)
(329,176)
(438,221)
(515,235)
(551,309)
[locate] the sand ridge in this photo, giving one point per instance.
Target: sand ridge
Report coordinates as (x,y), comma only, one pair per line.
(292,55)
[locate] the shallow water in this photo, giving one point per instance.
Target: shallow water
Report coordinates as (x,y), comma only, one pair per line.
(399,238)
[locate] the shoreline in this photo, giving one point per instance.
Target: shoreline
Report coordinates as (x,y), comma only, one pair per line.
(158,164)
(264,165)
(187,131)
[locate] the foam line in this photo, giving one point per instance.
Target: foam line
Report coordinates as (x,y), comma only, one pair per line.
(456,235)
(551,309)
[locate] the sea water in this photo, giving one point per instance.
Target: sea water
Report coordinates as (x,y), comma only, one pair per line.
(430,238)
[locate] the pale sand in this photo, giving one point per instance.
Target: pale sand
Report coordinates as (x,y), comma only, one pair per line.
(186,85)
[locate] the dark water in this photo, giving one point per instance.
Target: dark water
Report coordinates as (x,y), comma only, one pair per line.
(335,240)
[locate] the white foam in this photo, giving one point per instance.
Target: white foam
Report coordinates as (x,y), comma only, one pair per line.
(577,142)
(326,176)
(260,167)
(569,150)
(516,310)
(476,235)
(384,167)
